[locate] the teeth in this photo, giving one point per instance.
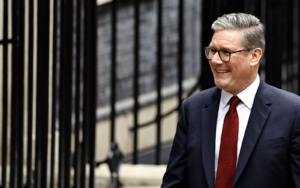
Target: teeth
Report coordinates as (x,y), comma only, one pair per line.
(222,71)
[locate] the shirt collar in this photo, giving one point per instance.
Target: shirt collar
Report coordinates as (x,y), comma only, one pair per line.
(246,96)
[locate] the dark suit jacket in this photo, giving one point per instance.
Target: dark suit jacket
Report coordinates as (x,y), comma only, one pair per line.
(270,153)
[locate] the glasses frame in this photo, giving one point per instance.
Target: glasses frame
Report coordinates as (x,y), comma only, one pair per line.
(221,50)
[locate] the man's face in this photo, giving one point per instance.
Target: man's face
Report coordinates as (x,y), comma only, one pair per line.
(237,74)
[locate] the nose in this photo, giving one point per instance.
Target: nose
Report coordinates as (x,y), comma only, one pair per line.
(216,59)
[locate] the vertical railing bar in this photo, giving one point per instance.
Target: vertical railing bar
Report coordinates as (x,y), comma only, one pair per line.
(84,140)
(89,121)
(17,94)
(180,50)
(158,81)
(5,93)
(62,98)
(78,95)
(92,44)
(85,136)
(113,68)
(20,90)
(37,175)
(37,146)
(136,77)
(84,144)
(68,89)
(61,171)
(58,84)
(89,106)
(13,120)
(42,93)
(54,94)
(30,94)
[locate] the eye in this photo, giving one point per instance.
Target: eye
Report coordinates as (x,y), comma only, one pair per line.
(225,52)
(213,50)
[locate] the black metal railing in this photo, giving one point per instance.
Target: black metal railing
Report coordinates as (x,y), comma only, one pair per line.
(158,80)
(5,43)
(48,52)
(136,77)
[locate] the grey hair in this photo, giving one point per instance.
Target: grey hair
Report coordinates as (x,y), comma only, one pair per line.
(252,30)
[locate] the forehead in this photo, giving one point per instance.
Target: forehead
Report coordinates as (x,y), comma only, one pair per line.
(226,39)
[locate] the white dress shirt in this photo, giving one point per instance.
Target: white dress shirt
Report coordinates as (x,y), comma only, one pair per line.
(243,110)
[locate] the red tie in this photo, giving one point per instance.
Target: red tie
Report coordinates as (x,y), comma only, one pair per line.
(228,149)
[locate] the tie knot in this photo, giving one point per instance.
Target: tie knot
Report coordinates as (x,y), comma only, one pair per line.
(234,101)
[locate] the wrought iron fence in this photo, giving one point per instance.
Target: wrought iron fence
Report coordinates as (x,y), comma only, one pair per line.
(44,86)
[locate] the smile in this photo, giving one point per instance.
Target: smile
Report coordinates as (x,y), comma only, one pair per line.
(222,71)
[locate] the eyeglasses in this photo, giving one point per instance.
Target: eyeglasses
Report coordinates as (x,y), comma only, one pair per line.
(223,54)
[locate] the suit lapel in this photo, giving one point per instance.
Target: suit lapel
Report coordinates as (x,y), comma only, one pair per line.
(209,120)
(258,117)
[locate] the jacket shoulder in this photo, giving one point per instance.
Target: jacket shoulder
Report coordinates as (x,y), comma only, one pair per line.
(282,96)
(203,97)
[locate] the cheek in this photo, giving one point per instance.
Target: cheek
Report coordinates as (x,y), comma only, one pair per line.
(238,67)
(242,73)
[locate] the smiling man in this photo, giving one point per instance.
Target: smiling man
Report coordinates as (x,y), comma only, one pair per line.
(243,133)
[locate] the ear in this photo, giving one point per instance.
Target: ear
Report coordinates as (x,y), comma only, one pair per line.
(256,55)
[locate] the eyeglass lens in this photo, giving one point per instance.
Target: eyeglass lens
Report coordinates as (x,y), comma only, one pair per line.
(223,54)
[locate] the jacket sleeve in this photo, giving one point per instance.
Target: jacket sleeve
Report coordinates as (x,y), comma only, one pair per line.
(176,173)
(295,151)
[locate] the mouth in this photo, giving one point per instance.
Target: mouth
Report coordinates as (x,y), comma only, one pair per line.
(222,71)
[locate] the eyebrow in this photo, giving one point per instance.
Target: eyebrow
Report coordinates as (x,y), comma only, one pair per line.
(220,49)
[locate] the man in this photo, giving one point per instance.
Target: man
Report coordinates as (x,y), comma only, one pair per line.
(243,133)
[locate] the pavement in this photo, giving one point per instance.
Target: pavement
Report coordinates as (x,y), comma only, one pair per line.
(132,176)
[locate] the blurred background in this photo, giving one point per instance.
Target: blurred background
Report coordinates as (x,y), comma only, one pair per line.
(91,90)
